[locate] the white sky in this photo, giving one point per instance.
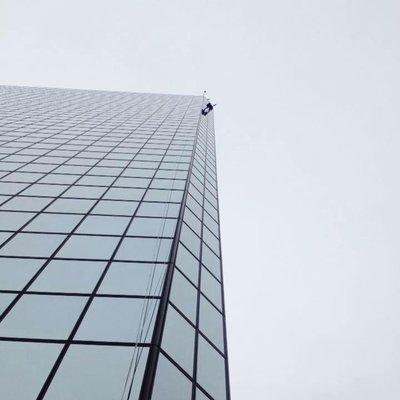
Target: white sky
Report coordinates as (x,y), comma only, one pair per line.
(308,120)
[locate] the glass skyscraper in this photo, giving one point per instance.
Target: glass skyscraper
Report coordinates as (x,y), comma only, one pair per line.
(110,260)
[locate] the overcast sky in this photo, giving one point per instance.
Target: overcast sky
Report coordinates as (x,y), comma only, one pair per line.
(308,136)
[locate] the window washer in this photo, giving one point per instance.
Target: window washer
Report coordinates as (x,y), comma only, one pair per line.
(209,107)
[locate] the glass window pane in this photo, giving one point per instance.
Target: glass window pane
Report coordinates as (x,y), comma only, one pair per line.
(26,203)
(133,279)
(114,207)
(164,195)
(211,323)
(211,288)
(103,225)
(211,261)
(68,276)
(192,221)
(94,247)
(159,210)
(12,221)
(144,249)
(152,227)
(211,240)
(211,370)
(58,223)
(24,368)
(44,190)
(5,300)
(119,319)
(187,263)
(124,194)
(85,192)
(190,240)
(178,340)
(40,316)
(32,244)
(98,372)
(170,383)
(79,206)
(16,272)
(184,295)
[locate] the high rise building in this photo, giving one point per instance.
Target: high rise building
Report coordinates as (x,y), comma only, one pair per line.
(110,260)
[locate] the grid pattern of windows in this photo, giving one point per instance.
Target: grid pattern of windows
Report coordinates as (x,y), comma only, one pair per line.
(110,272)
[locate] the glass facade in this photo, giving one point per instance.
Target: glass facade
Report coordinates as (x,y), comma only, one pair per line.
(110,260)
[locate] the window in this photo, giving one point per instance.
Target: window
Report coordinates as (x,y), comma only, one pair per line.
(184,295)
(170,383)
(144,249)
(68,276)
(58,223)
(32,244)
(119,320)
(97,372)
(138,279)
(16,272)
(20,203)
(25,367)
(12,221)
(187,263)
(152,227)
(124,194)
(40,316)
(91,247)
(71,206)
(190,240)
(103,225)
(113,207)
(211,370)
(211,323)
(159,210)
(178,339)
(211,288)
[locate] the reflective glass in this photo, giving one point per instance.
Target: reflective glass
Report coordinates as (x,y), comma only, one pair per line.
(58,223)
(133,279)
(26,203)
(152,227)
(32,244)
(114,207)
(159,210)
(178,340)
(16,272)
(211,323)
(69,276)
(94,247)
(144,249)
(5,300)
(79,206)
(170,383)
(13,220)
(118,319)
(211,370)
(24,367)
(187,263)
(103,225)
(190,240)
(184,295)
(98,372)
(40,316)
(211,288)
